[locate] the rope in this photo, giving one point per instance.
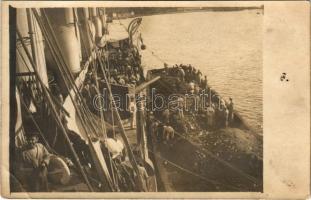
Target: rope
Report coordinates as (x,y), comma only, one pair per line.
(101,112)
(156,56)
(54,111)
(125,139)
(66,74)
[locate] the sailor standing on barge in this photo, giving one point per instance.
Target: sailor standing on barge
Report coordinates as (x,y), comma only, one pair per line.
(230,108)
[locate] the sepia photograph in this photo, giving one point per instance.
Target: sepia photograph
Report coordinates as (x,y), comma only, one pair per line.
(137,99)
(158,99)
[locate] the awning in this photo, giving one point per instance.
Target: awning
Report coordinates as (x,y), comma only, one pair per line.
(116,33)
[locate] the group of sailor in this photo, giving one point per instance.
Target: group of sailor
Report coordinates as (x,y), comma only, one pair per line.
(217,112)
(186,73)
(125,67)
(162,130)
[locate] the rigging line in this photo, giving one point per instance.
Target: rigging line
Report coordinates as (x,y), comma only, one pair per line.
(109,75)
(125,139)
(40,51)
(78,111)
(55,113)
(112,108)
(59,56)
(55,58)
(156,56)
(63,68)
(95,60)
(249,177)
(62,61)
(102,120)
(193,173)
(97,53)
(89,30)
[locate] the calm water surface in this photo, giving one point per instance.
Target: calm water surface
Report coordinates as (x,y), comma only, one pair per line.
(225,46)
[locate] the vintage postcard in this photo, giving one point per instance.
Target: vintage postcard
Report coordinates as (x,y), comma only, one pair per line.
(120,99)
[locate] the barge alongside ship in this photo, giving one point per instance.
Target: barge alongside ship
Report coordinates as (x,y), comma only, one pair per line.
(202,157)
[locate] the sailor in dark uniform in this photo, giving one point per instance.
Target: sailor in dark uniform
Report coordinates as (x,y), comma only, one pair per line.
(204,83)
(231,109)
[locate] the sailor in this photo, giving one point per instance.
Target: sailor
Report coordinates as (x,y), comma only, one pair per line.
(230,109)
(132,108)
(225,116)
(196,89)
(181,74)
(60,111)
(86,91)
(133,79)
(191,86)
(204,83)
(166,69)
(129,70)
(93,89)
(155,126)
(194,74)
(137,75)
(121,81)
(168,133)
(143,173)
(180,102)
(166,116)
(222,115)
(36,157)
(198,76)
(210,116)
(185,68)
